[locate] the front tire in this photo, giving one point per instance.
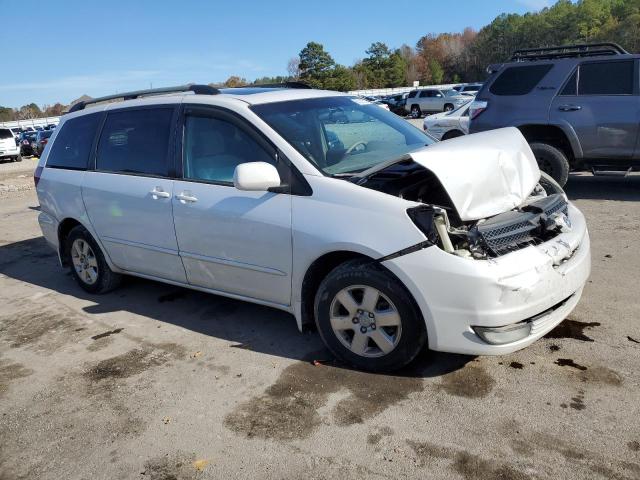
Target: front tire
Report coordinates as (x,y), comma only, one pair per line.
(448,107)
(88,265)
(552,161)
(367,318)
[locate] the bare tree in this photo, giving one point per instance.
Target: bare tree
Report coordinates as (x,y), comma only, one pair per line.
(293,68)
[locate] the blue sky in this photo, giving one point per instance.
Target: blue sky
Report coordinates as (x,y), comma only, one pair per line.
(69,48)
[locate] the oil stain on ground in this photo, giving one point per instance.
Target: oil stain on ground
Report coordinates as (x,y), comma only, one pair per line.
(134,362)
(567,362)
(378,434)
(470,382)
(107,334)
(467,465)
(572,329)
(288,409)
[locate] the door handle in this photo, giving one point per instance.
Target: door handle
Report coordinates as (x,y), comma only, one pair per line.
(569,108)
(159,193)
(185,198)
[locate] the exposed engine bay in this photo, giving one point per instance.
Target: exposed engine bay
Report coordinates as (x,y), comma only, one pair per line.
(541,217)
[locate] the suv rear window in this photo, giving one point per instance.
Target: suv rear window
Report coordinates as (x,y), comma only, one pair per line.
(606,78)
(136,141)
(5,133)
(72,145)
(519,80)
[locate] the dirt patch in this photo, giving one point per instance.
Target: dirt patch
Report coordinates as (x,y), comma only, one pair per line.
(516,365)
(378,434)
(567,362)
(178,466)
(9,372)
(470,382)
(466,464)
(572,329)
(288,409)
(601,375)
(634,446)
(474,467)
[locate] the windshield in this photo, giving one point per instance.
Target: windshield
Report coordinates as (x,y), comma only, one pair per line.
(451,93)
(342,134)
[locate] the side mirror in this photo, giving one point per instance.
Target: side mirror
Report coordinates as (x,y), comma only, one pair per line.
(255,177)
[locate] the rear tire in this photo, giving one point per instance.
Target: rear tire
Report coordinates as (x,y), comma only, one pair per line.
(88,265)
(415,111)
(18,158)
(367,318)
(552,161)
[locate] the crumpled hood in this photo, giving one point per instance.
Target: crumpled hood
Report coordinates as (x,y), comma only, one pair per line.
(484,173)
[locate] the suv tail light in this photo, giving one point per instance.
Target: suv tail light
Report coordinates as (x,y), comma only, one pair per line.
(476,108)
(44,141)
(36,175)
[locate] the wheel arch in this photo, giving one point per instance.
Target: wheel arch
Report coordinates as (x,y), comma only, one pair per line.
(555,136)
(64,227)
(317,272)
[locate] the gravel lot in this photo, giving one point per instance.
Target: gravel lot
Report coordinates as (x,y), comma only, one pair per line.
(157,382)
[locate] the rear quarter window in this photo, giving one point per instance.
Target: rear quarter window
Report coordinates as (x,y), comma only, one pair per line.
(519,80)
(136,141)
(71,147)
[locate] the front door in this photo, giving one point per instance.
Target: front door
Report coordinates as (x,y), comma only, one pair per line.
(600,103)
(128,195)
(231,241)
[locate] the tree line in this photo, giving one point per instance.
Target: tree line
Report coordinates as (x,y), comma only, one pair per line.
(444,57)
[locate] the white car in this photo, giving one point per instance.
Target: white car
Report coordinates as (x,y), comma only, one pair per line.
(9,150)
(446,125)
(384,239)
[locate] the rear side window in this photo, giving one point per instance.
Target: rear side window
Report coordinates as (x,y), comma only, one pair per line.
(5,133)
(136,141)
(606,78)
(519,80)
(72,145)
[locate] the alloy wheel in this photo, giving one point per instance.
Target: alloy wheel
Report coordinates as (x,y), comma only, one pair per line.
(84,261)
(365,321)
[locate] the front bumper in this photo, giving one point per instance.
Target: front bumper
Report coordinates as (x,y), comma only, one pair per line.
(455,294)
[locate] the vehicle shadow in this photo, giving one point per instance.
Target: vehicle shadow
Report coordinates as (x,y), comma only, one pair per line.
(248,326)
(589,187)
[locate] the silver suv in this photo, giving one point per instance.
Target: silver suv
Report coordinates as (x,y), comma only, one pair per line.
(430,100)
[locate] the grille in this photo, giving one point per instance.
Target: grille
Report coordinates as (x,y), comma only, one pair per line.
(513,230)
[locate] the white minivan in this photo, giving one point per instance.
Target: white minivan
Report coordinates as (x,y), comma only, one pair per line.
(320,204)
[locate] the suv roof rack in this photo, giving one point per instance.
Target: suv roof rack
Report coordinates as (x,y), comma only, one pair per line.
(196,89)
(280,85)
(568,51)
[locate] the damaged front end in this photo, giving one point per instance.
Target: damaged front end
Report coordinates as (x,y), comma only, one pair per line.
(474,207)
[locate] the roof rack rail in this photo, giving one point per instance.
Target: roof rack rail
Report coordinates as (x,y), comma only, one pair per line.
(196,89)
(280,85)
(568,51)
